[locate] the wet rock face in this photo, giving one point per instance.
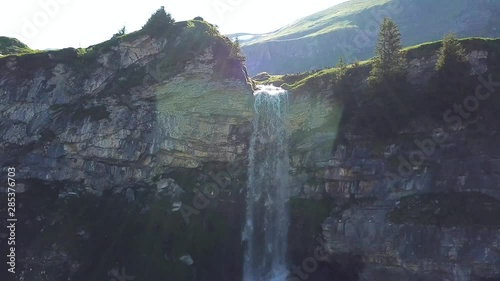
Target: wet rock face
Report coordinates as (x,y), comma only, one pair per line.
(118,119)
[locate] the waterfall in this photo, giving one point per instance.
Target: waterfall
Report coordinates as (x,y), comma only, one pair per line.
(266,228)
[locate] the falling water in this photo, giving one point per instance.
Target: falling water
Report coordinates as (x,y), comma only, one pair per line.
(266,227)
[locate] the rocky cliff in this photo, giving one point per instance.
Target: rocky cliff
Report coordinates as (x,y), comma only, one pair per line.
(119,114)
(419,204)
(113,138)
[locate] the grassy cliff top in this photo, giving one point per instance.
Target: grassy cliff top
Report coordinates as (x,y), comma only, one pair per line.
(192,30)
(183,40)
(425,50)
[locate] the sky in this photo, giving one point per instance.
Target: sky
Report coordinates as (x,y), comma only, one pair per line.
(53,24)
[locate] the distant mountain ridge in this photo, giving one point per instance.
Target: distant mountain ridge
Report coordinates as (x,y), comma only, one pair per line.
(350,30)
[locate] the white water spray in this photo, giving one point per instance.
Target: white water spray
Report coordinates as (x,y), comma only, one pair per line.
(266,227)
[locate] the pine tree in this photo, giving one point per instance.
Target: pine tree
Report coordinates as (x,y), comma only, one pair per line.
(451,55)
(452,68)
(237,42)
(388,81)
(236,50)
(390,63)
(341,72)
(159,22)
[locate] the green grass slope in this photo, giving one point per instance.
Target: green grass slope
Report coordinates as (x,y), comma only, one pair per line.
(12,46)
(350,30)
(303,81)
(334,18)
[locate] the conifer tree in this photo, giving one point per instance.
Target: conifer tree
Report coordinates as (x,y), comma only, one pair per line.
(341,72)
(159,22)
(451,55)
(452,70)
(389,64)
(388,81)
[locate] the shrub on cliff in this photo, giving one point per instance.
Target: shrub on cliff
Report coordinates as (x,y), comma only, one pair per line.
(159,22)
(120,32)
(452,69)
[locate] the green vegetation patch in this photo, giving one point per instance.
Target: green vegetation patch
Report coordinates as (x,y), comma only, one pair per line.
(447,209)
(306,81)
(12,46)
(314,121)
(195,95)
(429,49)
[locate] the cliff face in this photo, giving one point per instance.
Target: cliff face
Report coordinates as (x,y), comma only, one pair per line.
(437,222)
(118,118)
(421,204)
(113,142)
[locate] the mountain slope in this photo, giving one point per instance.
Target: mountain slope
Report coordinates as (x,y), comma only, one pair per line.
(350,30)
(12,46)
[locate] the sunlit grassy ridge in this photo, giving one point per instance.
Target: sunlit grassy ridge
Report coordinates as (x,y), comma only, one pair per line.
(334,18)
(365,109)
(349,30)
(428,49)
(357,13)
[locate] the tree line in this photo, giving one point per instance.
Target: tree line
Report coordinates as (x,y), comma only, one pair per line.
(388,97)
